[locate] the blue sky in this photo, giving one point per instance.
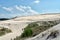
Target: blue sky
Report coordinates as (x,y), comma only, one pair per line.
(11,8)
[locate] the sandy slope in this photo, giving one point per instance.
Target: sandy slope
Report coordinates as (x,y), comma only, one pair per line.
(17,24)
(16,28)
(47,32)
(38,17)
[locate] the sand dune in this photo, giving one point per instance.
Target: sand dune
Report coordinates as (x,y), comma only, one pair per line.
(47,32)
(17,24)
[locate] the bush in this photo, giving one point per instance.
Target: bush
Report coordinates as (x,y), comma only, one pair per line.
(8,30)
(3,31)
(27,33)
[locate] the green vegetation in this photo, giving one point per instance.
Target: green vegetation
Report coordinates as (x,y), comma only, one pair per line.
(27,33)
(35,28)
(3,31)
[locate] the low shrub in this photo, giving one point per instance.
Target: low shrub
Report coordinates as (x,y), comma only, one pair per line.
(27,33)
(3,31)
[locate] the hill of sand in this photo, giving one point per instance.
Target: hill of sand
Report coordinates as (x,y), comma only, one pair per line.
(17,24)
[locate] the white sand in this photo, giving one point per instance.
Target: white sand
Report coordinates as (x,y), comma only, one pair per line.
(16,28)
(17,24)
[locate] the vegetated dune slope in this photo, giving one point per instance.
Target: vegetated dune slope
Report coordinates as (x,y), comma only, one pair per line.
(46,35)
(17,24)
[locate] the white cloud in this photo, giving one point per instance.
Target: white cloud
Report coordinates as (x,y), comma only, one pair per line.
(23,7)
(30,11)
(7,9)
(20,10)
(37,1)
(26,10)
